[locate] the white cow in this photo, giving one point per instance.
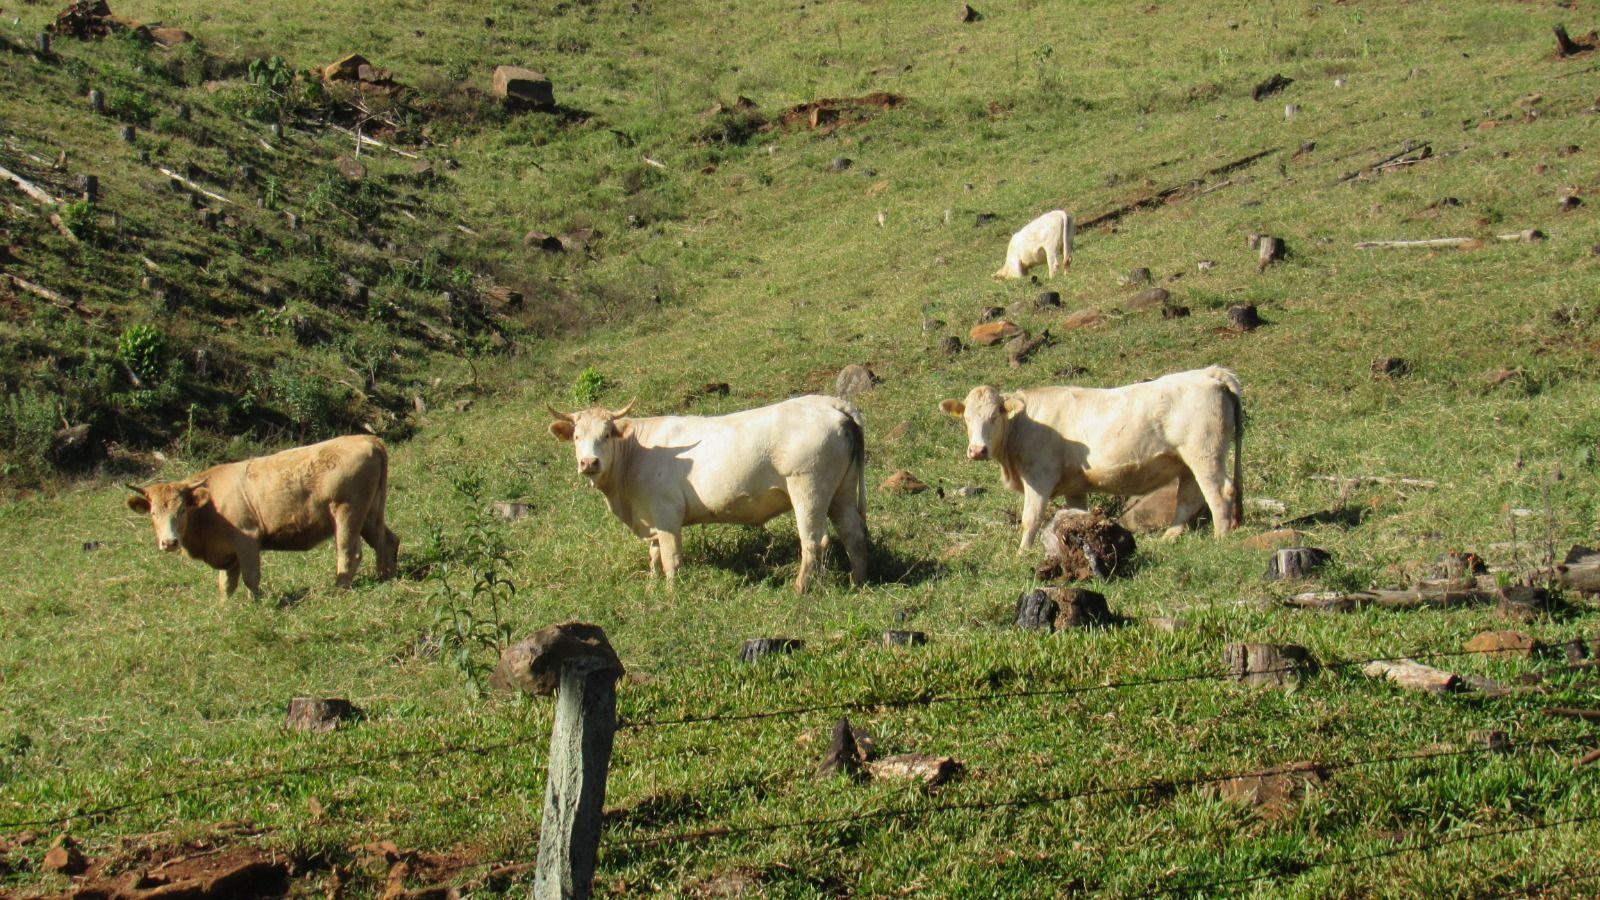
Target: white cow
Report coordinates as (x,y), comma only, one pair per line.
(1068,441)
(1047,239)
(659,474)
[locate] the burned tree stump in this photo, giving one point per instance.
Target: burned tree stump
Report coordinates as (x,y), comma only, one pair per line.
(1565,45)
(1525,603)
(1243,317)
(319,715)
(904,638)
(1049,300)
(755,648)
(126,133)
(844,756)
(1269,665)
(1268,251)
(1390,367)
(1036,610)
(1057,609)
(97,101)
(1412,675)
(89,187)
(1081,545)
(1295,563)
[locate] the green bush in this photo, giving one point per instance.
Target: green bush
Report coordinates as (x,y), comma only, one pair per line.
(78,218)
(589,386)
(130,105)
(317,406)
(28,423)
(251,101)
(144,351)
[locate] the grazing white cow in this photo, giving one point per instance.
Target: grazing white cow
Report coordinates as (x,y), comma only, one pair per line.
(659,474)
(1068,441)
(1047,239)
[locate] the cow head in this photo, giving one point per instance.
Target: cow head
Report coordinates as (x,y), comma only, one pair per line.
(169,506)
(593,433)
(985,411)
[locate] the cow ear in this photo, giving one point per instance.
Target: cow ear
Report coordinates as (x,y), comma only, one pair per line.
(562,431)
(1013,406)
(138,503)
(622,426)
(199,495)
(952,408)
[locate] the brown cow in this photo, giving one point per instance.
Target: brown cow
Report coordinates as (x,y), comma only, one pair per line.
(294,500)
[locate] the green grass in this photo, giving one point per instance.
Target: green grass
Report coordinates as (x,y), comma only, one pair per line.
(122,676)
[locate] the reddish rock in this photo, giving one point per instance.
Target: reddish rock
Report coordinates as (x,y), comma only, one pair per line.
(1083,318)
(990,333)
(903,482)
(1503,644)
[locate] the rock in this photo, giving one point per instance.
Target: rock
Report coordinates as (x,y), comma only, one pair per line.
(844,756)
(1049,300)
(982,219)
(1154,511)
(904,638)
(1272,540)
(1148,298)
(1136,277)
(351,168)
(841,163)
(1390,367)
(990,333)
(930,770)
(1083,545)
(1295,563)
(547,242)
(902,482)
(65,858)
(755,648)
(347,68)
(1205,265)
(991,313)
(523,88)
(1170,312)
(1083,318)
(950,345)
(1569,202)
(1569,150)
(512,510)
(854,379)
(1269,87)
(169,37)
(318,715)
(965,13)
(1244,317)
(1271,791)
(533,665)
(970,491)
(1020,348)
(1503,644)
(1168,624)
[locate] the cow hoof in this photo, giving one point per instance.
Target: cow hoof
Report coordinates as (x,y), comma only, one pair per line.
(1173,533)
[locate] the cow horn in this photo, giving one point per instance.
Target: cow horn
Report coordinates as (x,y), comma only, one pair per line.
(625,410)
(564,417)
(135,488)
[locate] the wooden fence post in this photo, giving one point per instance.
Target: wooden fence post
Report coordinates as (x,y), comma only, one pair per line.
(580,754)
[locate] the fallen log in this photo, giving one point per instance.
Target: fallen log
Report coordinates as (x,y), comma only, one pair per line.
(1416,598)
(1529,236)
(1567,712)
(1410,674)
(1406,149)
(39,291)
(192,185)
(28,187)
(1167,193)
(364,141)
(1376,479)
(1587,758)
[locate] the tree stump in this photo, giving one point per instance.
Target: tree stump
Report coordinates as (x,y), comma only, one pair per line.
(1268,665)
(1492,740)
(89,187)
(276,131)
(318,715)
(755,648)
(1390,367)
(904,638)
(844,756)
(183,112)
(1295,563)
(1243,317)
(1268,251)
(950,345)
(97,101)
(1136,277)
(1525,603)
(1079,608)
(1565,45)
(41,43)
(1049,300)
(126,133)
(1037,610)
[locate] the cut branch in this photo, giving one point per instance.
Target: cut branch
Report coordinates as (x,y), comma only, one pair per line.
(1376,479)
(1530,236)
(28,187)
(363,140)
(1406,149)
(1417,598)
(1165,194)
(38,291)
(1408,673)
(192,185)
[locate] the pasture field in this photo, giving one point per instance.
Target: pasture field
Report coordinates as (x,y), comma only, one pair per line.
(138,710)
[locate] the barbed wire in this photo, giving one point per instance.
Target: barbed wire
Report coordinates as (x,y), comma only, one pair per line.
(1162,785)
(1349,861)
(925,699)
(1527,890)
(272,776)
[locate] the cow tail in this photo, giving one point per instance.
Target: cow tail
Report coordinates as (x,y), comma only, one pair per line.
(1230,387)
(1066,242)
(856,434)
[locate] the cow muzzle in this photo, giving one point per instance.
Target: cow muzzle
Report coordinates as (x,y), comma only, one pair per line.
(168,544)
(977,451)
(589,466)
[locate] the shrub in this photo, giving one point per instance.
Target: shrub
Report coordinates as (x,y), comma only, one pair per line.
(589,386)
(28,424)
(78,218)
(270,72)
(130,105)
(144,351)
(251,101)
(316,405)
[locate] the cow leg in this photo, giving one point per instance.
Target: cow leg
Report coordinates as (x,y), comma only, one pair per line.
(1052,259)
(1211,474)
(811,520)
(668,545)
(655,556)
(1035,503)
(249,564)
(1189,503)
(852,528)
(346,544)
(228,579)
(383,543)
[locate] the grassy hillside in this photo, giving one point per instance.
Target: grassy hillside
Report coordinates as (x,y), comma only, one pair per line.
(123,678)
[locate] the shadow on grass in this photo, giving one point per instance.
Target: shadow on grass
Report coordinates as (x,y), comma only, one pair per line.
(772,558)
